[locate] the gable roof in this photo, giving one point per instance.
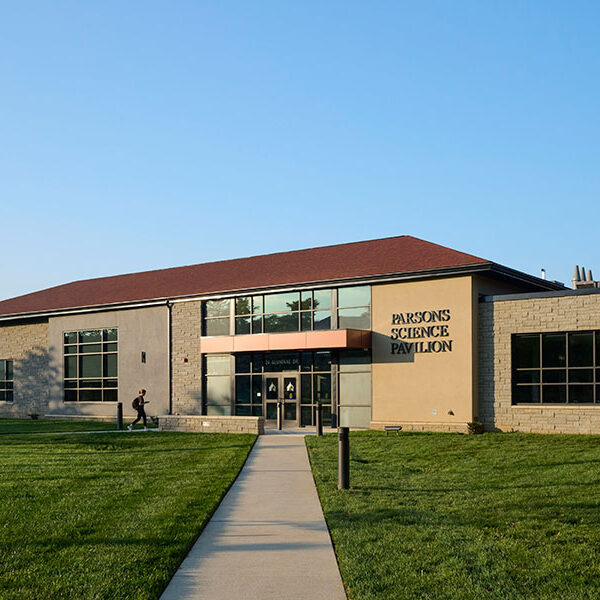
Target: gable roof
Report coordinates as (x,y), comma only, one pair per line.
(388,256)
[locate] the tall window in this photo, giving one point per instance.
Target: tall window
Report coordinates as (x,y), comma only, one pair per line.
(6,381)
(308,310)
(556,368)
(91,365)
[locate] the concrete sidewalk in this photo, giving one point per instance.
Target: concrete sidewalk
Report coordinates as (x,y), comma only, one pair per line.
(268,538)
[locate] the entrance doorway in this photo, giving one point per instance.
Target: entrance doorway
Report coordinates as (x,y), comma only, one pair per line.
(281,387)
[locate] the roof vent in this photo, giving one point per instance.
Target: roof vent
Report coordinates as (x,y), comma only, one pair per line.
(583,280)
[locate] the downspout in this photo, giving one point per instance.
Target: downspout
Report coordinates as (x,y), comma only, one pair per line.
(169,353)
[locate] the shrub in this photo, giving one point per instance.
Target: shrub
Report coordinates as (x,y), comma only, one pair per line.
(475,427)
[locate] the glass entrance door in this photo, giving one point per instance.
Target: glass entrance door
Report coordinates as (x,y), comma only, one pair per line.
(281,387)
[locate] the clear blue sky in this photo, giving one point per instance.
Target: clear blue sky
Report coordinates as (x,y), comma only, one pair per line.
(142,135)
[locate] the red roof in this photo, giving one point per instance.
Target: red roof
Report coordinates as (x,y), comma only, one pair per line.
(396,255)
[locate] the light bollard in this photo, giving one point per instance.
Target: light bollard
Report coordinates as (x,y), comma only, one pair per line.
(119,415)
(319,419)
(343,458)
(279,414)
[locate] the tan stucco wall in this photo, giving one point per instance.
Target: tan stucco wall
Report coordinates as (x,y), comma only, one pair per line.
(498,321)
(140,330)
(27,346)
(419,390)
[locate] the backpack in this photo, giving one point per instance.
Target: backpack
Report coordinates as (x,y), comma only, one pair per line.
(136,403)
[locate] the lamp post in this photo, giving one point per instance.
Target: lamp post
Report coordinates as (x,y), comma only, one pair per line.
(343,458)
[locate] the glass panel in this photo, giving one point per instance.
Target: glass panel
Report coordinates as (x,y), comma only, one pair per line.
(272,385)
(554,394)
(257,410)
(282,361)
(90,383)
(110,347)
(289,411)
(289,388)
(581,349)
(322,361)
(554,349)
(354,318)
(90,366)
(581,394)
(242,389)
(527,393)
(281,322)
(526,351)
(3,369)
(2,396)
(90,395)
(9,396)
(70,367)
(281,302)
(90,348)
(581,375)
(326,415)
(242,325)
(257,362)
(217,326)
(9,385)
(218,364)
(354,296)
(70,337)
(110,383)
(271,410)
(306,389)
(322,320)
(322,388)
(110,365)
(257,304)
(243,306)
(322,299)
(530,377)
(110,395)
(305,321)
(218,391)
(305,300)
(70,349)
(94,335)
(110,335)
(243,410)
(242,363)
(70,395)
(257,324)
(70,384)
(217,308)
(256,389)
(306,415)
(9,369)
(554,376)
(306,358)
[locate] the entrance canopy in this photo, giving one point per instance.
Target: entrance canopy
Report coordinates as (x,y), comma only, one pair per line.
(306,340)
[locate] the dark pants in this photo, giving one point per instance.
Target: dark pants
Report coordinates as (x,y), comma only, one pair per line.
(140,416)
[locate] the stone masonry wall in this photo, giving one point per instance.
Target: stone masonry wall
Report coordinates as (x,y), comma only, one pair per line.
(204,424)
(27,346)
(186,327)
(497,321)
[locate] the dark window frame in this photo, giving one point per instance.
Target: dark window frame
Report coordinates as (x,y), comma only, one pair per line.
(7,385)
(562,379)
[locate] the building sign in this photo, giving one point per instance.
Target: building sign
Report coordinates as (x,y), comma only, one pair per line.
(421,332)
(282,361)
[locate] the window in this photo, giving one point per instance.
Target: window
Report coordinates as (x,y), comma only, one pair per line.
(216,317)
(91,365)
(6,381)
(556,368)
(354,307)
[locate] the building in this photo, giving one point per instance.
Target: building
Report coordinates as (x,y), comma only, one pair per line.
(382,332)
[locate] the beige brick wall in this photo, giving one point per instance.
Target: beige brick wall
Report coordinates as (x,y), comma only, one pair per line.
(497,321)
(27,346)
(186,324)
(204,424)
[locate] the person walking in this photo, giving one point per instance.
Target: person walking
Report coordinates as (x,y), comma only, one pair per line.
(139,404)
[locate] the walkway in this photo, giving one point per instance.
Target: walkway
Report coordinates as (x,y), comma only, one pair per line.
(268,538)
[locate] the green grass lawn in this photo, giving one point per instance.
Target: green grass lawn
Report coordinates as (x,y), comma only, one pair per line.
(106,515)
(47,426)
(452,516)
